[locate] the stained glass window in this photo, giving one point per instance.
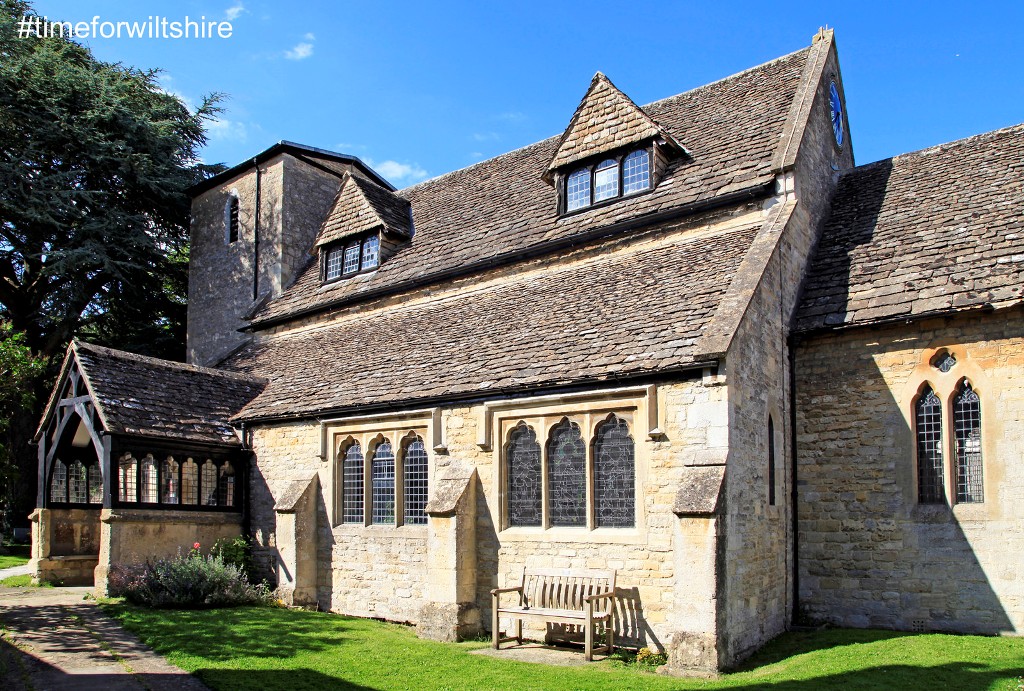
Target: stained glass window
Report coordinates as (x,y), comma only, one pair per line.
(567,475)
(208,483)
(945,362)
(126,478)
(78,490)
(636,171)
(382,475)
(415,462)
(614,475)
(371,252)
(606,180)
(351,259)
(170,490)
(147,480)
(929,448)
(577,189)
(333,269)
(967,426)
(95,484)
(226,485)
(524,477)
(352,481)
(59,482)
(189,482)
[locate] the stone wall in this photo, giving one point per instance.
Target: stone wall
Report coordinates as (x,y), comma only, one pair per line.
(65,545)
(870,554)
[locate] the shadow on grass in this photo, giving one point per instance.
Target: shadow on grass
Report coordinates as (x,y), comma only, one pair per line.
(965,676)
(797,643)
(284,679)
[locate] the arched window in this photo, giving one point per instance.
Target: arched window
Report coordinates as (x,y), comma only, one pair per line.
(170,492)
(414,463)
(967,427)
(352,485)
(59,482)
(771,461)
(567,475)
(148,489)
(606,180)
(614,475)
(126,471)
(232,219)
(208,483)
(577,189)
(226,485)
(78,481)
(523,477)
(928,416)
(636,172)
(189,482)
(95,484)
(382,490)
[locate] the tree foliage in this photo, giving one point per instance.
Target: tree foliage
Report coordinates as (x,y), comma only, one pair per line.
(95,161)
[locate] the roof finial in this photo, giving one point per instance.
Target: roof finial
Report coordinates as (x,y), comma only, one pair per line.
(823,33)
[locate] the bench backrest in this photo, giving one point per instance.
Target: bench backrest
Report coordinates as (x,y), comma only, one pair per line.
(564,588)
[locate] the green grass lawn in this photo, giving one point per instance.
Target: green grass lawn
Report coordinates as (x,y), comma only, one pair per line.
(269,648)
(17,555)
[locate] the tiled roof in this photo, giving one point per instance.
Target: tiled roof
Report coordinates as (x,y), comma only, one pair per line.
(613,314)
(361,206)
(147,396)
(502,207)
(937,230)
(605,120)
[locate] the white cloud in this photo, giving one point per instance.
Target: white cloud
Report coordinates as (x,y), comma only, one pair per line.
(486,136)
(396,172)
(309,36)
(222,129)
(511,116)
(301,51)
(235,11)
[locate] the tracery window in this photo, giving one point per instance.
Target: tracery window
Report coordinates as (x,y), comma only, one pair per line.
(524,477)
(172,482)
(352,479)
(567,476)
(929,448)
(591,184)
(614,475)
(967,427)
(382,474)
(415,469)
(383,487)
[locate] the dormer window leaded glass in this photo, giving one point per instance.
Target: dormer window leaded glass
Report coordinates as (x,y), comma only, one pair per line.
(334,263)
(351,259)
(371,252)
(592,184)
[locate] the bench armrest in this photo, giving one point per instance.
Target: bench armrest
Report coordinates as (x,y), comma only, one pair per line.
(600,596)
(499,591)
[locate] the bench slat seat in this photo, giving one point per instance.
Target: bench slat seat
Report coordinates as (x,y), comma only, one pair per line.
(580,597)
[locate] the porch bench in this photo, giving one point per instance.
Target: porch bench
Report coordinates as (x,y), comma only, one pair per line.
(581,597)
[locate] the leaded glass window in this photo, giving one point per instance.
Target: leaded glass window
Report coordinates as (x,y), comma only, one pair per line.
(577,189)
(567,475)
(169,493)
(928,413)
(352,485)
(59,482)
(333,268)
(382,490)
(415,470)
(148,489)
(945,362)
(614,475)
(226,485)
(606,180)
(523,477)
(95,484)
(636,171)
(967,427)
(126,471)
(189,482)
(351,259)
(78,490)
(371,252)
(208,483)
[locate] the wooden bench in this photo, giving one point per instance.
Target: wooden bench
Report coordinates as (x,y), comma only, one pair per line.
(581,597)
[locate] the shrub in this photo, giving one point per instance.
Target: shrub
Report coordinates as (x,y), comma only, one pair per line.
(186,581)
(645,657)
(237,552)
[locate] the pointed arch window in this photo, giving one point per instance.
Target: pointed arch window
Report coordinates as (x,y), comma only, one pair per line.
(523,477)
(352,485)
(208,483)
(148,490)
(928,418)
(189,482)
(226,485)
(382,491)
(414,462)
(170,490)
(567,475)
(614,475)
(126,479)
(967,429)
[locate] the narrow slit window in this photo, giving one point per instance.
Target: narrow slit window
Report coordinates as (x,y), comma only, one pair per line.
(970,486)
(614,475)
(523,477)
(371,252)
(928,414)
(606,180)
(636,172)
(567,475)
(382,475)
(233,219)
(415,470)
(577,189)
(352,485)
(333,268)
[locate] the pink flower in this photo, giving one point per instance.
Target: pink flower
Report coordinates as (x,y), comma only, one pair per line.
(195,546)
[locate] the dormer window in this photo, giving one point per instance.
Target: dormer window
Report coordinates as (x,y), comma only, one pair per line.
(592,184)
(351,256)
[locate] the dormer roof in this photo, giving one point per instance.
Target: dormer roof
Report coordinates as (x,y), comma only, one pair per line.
(363,206)
(605,120)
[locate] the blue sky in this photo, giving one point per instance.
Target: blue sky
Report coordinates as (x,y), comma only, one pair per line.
(418,89)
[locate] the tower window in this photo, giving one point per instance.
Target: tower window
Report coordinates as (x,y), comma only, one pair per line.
(232,219)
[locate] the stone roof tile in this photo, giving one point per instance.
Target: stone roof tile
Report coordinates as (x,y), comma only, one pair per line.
(361,206)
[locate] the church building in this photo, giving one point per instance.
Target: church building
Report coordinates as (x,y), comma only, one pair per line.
(691,342)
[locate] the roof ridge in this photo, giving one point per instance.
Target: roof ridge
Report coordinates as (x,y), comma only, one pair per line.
(644,107)
(170,364)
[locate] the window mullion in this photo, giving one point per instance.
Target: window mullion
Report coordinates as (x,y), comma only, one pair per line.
(545,490)
(589,469)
